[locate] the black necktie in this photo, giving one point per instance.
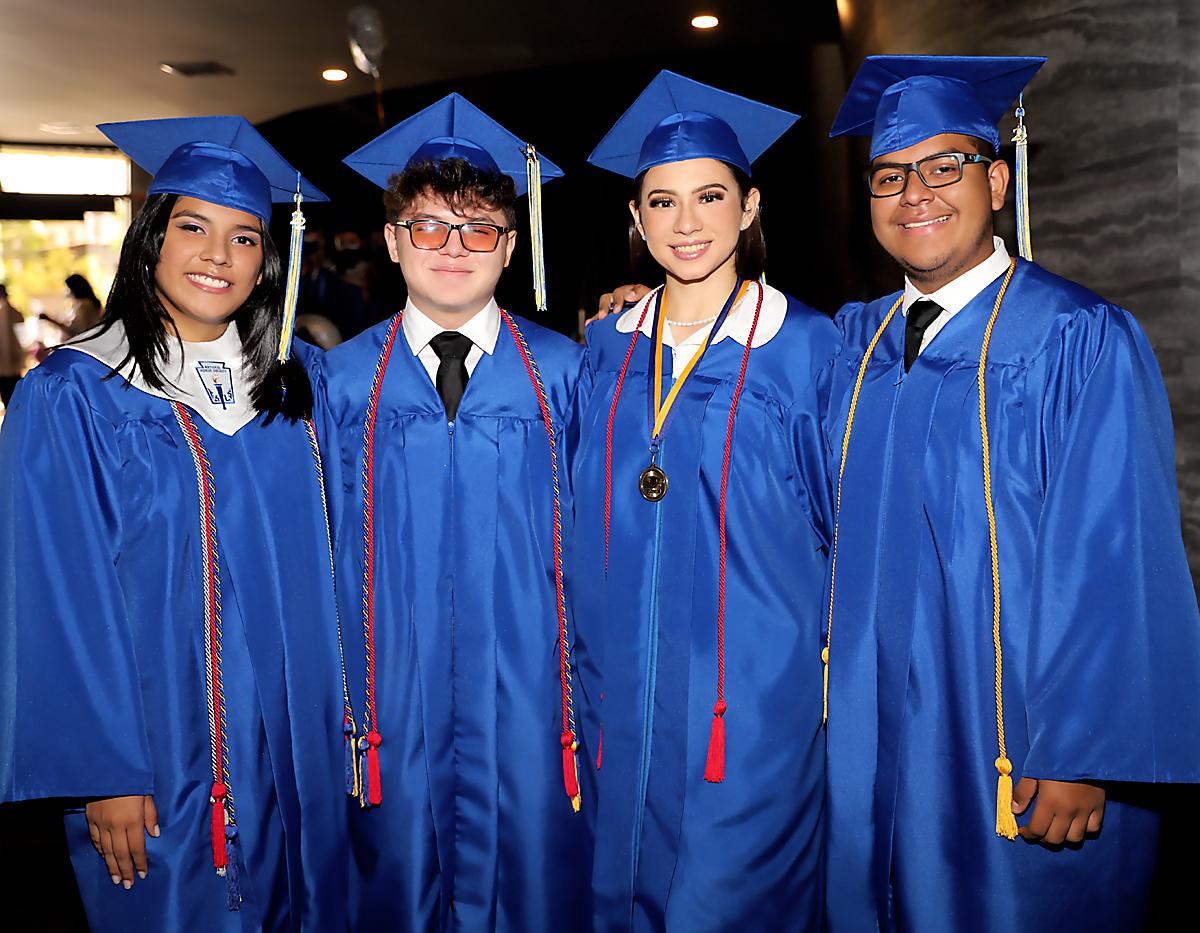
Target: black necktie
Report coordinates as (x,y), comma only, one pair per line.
(451,349)
(920,316)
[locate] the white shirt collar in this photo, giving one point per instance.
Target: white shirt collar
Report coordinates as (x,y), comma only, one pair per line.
(957,294)
(208,377)
(737,323)
(483,327)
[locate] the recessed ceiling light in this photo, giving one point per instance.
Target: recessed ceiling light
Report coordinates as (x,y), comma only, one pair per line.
(64,128)
(335,74)
(705,21)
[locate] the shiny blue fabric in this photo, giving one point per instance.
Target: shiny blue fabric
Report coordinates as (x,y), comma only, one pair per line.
(1101,640)
(451,147)
(102,649)
(674,852)
(475,831)
(216,174)
(691,135)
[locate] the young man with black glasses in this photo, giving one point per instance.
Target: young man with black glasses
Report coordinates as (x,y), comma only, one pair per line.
(1012,628)
(452,503)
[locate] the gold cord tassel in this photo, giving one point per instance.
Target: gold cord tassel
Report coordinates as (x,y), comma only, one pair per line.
(292,292)
(1006,823)
(1021,139)
(533,176)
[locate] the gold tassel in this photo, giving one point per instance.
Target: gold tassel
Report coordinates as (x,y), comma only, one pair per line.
(1021,139)
(825,685)
(1006,823)
(533,177)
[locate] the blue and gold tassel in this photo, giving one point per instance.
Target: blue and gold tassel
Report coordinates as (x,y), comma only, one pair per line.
(292,291)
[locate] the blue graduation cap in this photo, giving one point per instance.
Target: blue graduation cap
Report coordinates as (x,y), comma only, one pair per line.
(454,128)
(222,160)
(676,118)
(901,100)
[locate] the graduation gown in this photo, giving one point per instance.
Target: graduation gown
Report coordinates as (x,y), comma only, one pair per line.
(673,851)
(1099,630)
(102,657)
(475,831)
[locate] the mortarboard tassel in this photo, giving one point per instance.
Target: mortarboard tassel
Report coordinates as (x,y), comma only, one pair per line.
(291,293)
(1021,139)
(533,175)
(233,887)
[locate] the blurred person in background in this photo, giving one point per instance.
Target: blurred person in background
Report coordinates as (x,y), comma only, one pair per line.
(12,353)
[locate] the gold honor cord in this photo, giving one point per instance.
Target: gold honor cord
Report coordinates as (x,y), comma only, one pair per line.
(663,408)
(1006,823)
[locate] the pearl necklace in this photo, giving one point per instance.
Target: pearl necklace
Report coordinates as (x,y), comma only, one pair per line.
(707,320)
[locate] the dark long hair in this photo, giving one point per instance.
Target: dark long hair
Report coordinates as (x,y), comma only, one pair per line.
(275,388)
(751,253)
(81,289)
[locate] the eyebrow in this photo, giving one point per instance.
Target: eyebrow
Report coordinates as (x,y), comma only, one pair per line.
(930,156)
(198,216)
(467,218)
(715,184)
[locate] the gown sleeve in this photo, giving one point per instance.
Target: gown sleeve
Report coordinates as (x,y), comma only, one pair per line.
(807,423)
(1114,652)
(73,723)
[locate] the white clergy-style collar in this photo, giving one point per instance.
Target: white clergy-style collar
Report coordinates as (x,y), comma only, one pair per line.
(737,324)
(483,328)
(958,293)
(208,377)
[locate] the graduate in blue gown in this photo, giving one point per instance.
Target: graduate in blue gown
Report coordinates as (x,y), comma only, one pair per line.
(703,524)
(1013,627)
(168,637)
(455,429)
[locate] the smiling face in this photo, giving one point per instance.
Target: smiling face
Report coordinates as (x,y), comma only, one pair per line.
(937,234)
(450,284)
(211,259)
(691,214)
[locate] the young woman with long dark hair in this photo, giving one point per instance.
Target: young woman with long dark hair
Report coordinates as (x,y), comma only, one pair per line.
(702,529)
(170,648)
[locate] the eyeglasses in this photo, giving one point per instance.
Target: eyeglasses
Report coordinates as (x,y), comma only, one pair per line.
(434,234)
(888,179)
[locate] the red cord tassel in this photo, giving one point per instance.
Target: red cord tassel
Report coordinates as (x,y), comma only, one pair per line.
(714,766)
(220,855)
(600,749)
(375,792)
(571,769)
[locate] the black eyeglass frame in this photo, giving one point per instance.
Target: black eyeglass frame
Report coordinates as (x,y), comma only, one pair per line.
(962,158)
(450,228)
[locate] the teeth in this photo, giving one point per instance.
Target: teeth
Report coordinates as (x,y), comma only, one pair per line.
(208,280)
(926,223)
(691,249)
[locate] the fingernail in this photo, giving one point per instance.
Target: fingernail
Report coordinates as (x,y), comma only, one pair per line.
(116,879)
(127,884)
(154,832)
(142,875)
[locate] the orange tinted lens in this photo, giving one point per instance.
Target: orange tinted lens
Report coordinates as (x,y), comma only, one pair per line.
(480,238)
(428,234)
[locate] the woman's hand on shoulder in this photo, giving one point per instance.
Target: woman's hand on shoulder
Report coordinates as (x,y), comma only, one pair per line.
(118,827)
(618,299)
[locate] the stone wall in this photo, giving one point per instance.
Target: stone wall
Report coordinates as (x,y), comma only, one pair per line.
(1114,120)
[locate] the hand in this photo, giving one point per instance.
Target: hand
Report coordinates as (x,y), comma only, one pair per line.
(116,826)
(617,299)
(1066,811)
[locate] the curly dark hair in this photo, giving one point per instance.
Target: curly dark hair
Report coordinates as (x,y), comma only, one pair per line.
(277,389)
(751,257)
(455,181)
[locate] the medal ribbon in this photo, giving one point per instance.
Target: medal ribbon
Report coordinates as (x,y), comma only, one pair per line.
(660,409)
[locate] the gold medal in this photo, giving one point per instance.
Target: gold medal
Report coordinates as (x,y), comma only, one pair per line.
(652,483)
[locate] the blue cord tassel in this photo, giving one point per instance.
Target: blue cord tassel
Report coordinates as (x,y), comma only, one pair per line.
(348,732)
(365,787)
(233,888)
